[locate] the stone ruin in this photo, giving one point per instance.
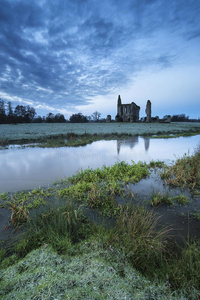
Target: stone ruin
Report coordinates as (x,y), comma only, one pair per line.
(148,111)
(127,112)
(108,119)
(130,113)
(166,119)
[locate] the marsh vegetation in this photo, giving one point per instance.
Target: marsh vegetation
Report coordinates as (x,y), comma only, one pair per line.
(80,258)
(92,235)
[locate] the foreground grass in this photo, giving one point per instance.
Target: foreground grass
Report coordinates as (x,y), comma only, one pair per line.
(185,172)
(63,255)
(92,274)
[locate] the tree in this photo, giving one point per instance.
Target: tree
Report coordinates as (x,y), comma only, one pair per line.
(96,116)
(78,118)
(19,113)
(180,118)
(10,114)
(2,112)
(38,119)
(59,118)
(50,118)
(30,114)
(24,114)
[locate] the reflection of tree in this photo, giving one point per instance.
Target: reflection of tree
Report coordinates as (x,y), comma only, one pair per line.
(146,144)
(129,142)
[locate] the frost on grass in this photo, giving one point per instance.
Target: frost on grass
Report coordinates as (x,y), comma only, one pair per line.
(38,131)
(96,273)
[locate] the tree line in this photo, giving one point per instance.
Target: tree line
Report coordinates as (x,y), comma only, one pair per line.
(27,114)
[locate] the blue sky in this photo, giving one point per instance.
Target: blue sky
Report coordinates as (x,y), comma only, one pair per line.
(79,55)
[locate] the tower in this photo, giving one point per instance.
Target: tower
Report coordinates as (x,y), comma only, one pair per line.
(119,103)
(148,111)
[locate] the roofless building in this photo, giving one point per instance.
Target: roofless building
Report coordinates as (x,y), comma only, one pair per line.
(127,112)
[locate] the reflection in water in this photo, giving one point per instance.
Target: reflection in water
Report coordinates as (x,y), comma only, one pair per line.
(32,167)
(129,142)
(146,143)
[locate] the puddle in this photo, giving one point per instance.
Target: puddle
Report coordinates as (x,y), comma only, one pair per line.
(23,169)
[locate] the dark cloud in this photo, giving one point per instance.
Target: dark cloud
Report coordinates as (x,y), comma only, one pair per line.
(69,51)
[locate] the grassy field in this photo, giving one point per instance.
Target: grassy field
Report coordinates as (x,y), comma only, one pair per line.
(82,133)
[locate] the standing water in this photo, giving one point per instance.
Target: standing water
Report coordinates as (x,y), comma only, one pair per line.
(28,168)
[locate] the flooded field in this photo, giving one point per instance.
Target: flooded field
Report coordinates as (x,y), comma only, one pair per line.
(28,168)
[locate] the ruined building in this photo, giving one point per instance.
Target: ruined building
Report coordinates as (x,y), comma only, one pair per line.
(127,112)
(148,111)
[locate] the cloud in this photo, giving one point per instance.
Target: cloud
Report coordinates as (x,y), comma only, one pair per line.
(66,53)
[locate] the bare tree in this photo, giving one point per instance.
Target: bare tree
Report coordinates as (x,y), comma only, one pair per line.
(96,116)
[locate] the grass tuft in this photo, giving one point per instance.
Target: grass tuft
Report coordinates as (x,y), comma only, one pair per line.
(136,235)
(185,172)
(159,198)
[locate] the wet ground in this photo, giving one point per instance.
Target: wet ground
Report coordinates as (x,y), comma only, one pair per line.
(28,168)
(177,218)
(23,169)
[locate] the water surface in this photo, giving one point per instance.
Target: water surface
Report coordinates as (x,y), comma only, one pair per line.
(33,167)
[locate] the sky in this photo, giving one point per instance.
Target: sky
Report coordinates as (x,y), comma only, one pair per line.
(71,56)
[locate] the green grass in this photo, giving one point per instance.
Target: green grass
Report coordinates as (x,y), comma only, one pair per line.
(98,188)
(156,164)
(64,255)
(196,215)
(176,135)
(165,199)
(159,198)
(181,199)
(139,241)
(185,172)
(60,226)
(95,188)
(61,253)
(27,199)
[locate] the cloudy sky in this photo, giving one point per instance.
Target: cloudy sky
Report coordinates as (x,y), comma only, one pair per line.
(69,56)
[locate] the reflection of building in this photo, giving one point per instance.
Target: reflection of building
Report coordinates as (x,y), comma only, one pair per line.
(146,144)
(130,142)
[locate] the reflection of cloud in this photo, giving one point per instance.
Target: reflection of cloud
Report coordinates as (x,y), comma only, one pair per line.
(33,167)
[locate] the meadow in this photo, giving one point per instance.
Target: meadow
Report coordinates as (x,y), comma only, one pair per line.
(24,133)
